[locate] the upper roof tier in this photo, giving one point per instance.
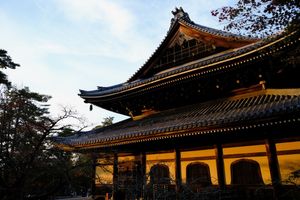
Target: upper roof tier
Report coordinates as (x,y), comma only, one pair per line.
(188,51)
(182,29)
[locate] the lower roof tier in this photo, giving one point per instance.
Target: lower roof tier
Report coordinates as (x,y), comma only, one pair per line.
(254,109)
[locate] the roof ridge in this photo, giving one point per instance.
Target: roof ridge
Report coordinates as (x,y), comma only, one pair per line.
(215,31)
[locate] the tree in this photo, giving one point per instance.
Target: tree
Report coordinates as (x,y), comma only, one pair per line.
(107,121)
(259,17)
(30,168)
(5,62)
(79,168)
(83,172)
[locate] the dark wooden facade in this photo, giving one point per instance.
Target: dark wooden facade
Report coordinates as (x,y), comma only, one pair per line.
(213,116)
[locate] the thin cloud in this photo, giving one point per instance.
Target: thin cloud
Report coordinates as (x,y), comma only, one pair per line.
(115,18)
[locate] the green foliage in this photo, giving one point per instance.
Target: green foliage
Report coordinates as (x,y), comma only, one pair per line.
(259,17)
(5,62)
(30,168)
(106,122)
(82,174)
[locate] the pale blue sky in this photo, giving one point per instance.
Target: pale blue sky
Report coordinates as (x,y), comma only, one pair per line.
(67,45)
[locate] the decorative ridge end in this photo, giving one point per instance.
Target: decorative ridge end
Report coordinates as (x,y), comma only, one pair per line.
(81,92)
(179,13)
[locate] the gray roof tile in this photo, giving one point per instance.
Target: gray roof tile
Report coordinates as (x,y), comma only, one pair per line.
(218,113)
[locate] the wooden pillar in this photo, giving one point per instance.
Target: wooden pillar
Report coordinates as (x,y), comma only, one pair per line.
(143,174)
(115,175)
(220,165)
(93,184)
(178,170)
(273,162)
(274,167)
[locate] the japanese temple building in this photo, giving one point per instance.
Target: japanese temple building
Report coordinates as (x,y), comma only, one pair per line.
(213,115)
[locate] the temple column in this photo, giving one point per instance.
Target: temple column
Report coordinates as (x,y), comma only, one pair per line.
(274,166)
(220,165)
(115,175)
(143,174)
(93,184)
(178,171)
(273,162)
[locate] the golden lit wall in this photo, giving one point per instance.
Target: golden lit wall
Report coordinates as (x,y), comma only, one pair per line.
(104,172)
(288,157)
(254,152)
(205,156)
(126,158)
(126,163)
(289,160)
(161,158)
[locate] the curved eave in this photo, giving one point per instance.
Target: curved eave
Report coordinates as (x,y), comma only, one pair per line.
(210,130)
(246,111)
(221,62)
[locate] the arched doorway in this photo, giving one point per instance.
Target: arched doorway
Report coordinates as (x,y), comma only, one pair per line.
(159,174)
(246,172)
(197,173)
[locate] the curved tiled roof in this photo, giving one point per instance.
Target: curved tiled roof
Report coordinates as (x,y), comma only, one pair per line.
(203,118)
(222,61)
(184,19)
(181,20)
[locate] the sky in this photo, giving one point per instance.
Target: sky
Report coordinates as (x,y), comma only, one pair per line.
(67,45)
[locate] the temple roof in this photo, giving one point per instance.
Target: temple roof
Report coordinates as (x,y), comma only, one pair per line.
(181,22)
(242,111)
(218,62)
(223,53)
(180,19)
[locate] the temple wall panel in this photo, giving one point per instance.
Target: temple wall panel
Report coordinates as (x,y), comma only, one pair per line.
(104,172)
(253,153)
(289,161)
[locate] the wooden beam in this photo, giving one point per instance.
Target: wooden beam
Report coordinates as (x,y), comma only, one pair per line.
(220,165)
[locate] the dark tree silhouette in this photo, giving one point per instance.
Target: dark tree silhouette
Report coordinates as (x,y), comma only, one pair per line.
(30,168)
(259,17)
(5,62)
